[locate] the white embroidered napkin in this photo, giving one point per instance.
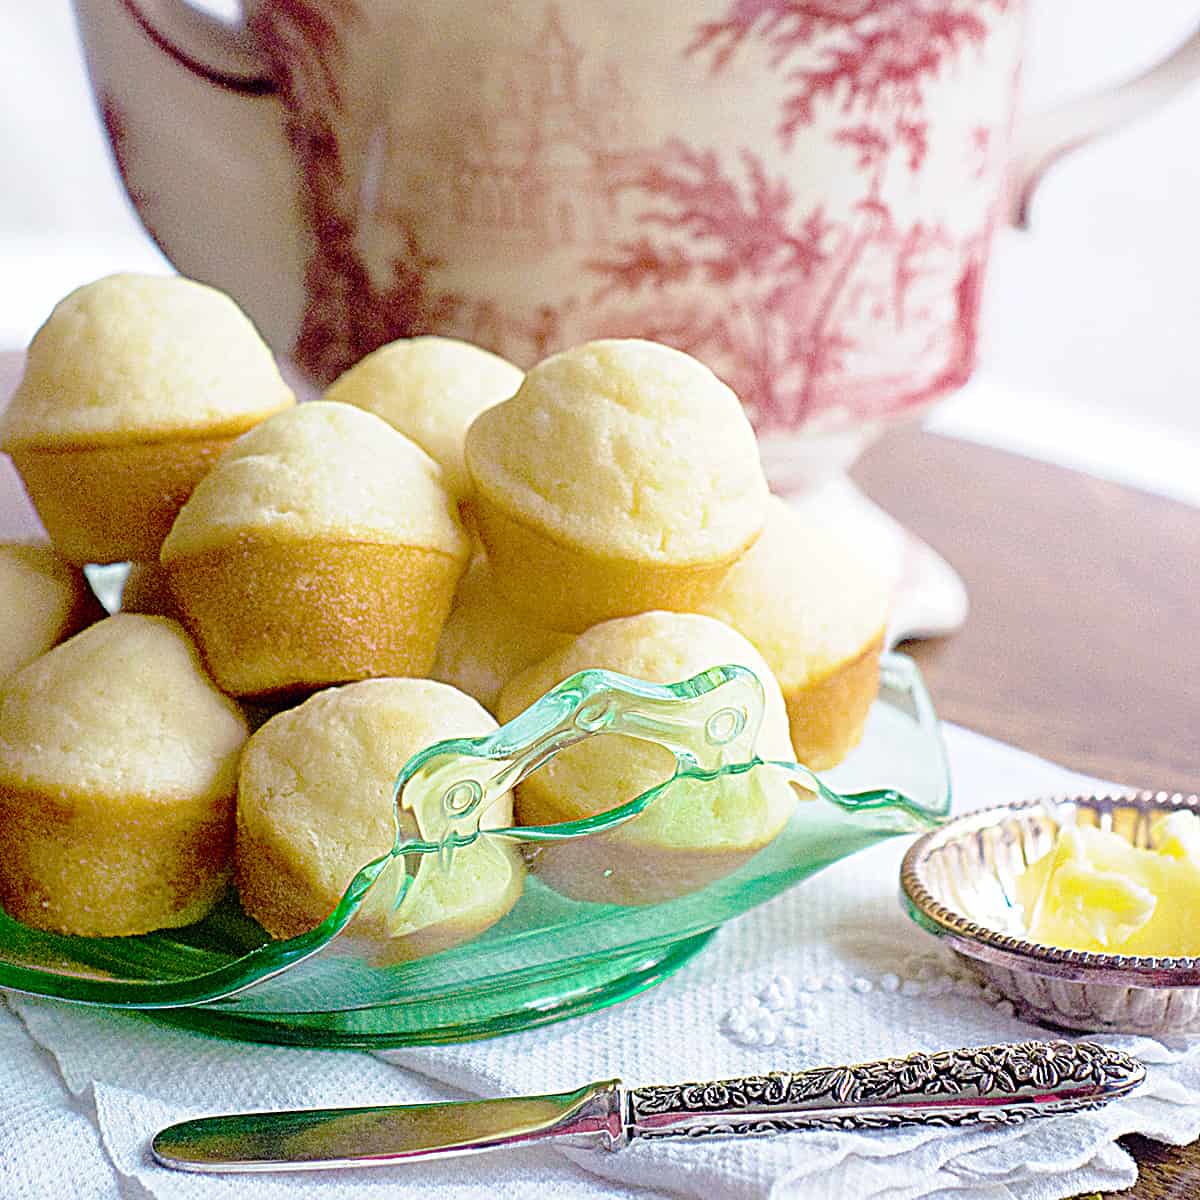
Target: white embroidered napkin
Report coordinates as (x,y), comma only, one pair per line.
(831,972)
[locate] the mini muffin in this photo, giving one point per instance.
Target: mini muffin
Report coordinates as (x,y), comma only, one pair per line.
(623,476)
(147,589)
(321,549)
(118,770)
(430,389)
(44,599)
(485,641)
(315,805)
(693,833)
(817,612)
(132,388)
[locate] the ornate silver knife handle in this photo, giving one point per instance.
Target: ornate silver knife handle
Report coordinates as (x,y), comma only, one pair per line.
(1002,1084)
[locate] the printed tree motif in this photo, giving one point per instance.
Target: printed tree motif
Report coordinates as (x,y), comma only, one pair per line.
(880,52)
(748,238)
(348,314)
(790,284)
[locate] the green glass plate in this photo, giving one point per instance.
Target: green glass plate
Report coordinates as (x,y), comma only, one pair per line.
(553,955)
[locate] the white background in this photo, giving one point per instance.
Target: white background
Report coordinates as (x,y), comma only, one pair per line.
(1091,349)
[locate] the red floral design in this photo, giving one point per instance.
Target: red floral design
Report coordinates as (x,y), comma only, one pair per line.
(804,296)
(876,52)
(348,315)
(820,310)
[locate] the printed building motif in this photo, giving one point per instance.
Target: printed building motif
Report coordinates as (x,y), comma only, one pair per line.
(533,179)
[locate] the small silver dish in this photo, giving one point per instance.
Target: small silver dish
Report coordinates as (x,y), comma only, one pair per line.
(957,882)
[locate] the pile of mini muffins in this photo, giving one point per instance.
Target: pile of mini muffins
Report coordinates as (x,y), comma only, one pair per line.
(421,553)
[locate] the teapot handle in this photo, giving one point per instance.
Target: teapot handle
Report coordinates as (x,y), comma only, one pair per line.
(1045,137)
(220,51)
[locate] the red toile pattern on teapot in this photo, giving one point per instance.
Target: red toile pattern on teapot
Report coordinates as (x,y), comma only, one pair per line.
(348,314)
(799,297)
(801,191)
(828,266)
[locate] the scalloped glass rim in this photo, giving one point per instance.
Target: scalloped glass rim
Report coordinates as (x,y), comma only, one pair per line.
(582,954)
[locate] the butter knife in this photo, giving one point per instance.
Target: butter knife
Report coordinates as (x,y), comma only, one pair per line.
(1002,1084)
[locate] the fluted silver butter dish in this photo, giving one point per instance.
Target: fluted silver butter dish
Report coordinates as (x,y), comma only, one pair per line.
(958,882)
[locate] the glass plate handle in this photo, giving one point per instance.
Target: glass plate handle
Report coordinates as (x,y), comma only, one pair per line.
(709,723)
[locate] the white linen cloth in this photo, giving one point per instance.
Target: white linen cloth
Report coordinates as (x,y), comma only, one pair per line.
(831,972)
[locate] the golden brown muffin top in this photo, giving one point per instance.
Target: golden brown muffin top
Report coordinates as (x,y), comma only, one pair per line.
(430,389)
(321,470)
(485,642)
(319,778)
(122,709)
(135,358)
(803,596)
(43,598)
(626,448)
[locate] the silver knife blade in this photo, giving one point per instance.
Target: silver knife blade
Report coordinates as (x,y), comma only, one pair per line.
(992,1084)
(308,1139)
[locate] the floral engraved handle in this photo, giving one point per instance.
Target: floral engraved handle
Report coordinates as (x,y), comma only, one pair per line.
(1001,1084)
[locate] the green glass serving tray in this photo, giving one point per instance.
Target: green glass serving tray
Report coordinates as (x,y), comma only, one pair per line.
(552,956)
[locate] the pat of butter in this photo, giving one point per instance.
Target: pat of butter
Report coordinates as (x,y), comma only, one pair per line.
(1095,891)
(1177,835)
